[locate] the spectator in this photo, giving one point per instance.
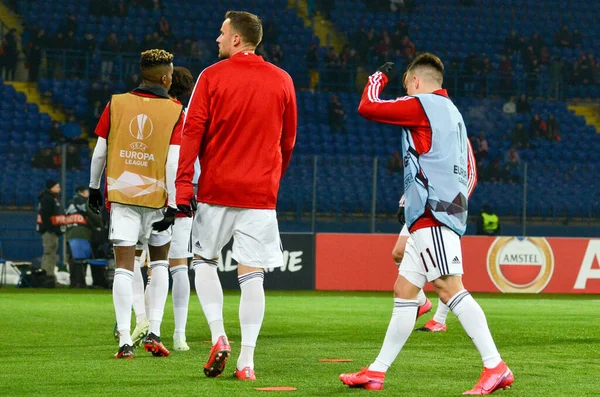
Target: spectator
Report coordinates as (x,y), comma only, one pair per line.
(10,54)
(553,129)
(73,158)
(130,45)
(511,43)
(336,115)
(398,33)
(495,171)
(506,75)
(56,133)
(407,48)
(395,163)
(164,28)
(482,148)
(88,44)
(384,47)
(537,127)
(50,225)
(34,54)
(312,63)
(43,159)
(276,55)
(520,136)
(563,37)
(57,157)
(94,112)
(510,107)
(555,71)
(361,40)
(72,130)
(148,42)
(195,50)
(523,105)
(485,70)
(537,42)
(270,33)
(110,46)
(132,81)
(512,164)
(576,39)
(533,74)
(70,24)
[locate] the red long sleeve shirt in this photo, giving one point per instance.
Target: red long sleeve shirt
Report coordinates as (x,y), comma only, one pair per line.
(241,123)
(408,112)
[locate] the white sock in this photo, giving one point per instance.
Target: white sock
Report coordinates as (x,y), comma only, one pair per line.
(401,326)
(421,298)
(473,320)
(181,299)
(139,306)
(122,300)
(252,312)
(159,289)
(210,294)
(441,312)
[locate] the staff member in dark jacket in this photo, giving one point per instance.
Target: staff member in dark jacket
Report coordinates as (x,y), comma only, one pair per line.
(82,223)
(50,224)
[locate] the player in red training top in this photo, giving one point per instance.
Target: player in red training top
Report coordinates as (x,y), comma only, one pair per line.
(436,187)
(241,123)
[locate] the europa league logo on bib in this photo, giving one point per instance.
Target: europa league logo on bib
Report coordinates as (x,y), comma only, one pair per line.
(520,264)
(141,127)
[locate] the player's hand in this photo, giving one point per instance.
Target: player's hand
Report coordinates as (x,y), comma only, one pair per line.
(400,215)
(386,68)
(95,200)
(188,210)
(167,221)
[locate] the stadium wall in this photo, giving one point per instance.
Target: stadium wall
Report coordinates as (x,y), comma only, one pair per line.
(504,264)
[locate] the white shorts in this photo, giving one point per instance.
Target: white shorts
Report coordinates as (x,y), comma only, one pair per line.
(130,224)
(431,253)
(180,241)
(255,232)
(404,232)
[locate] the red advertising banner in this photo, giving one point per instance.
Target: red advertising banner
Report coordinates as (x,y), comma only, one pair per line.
(357,262)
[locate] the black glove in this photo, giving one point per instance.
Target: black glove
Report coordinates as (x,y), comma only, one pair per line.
(188,210)
(386,68)
(400,215)
(167,221)
(95,200)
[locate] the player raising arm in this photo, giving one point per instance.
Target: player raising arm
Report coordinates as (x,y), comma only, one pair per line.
(434,143)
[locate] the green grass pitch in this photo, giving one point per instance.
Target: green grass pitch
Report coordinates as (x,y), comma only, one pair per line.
(60,342)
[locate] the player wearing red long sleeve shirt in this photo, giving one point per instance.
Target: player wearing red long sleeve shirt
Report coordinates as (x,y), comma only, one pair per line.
(241,124)
(435,143)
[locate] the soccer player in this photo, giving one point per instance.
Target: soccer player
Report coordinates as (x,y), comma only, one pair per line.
(436,188)
(181,89)
(438,322)
(241,123)
(138,141)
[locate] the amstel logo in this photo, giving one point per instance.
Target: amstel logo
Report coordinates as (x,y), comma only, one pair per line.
(520,264)
(141,127)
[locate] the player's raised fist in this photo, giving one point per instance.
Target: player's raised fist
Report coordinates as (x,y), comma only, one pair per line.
(386,68)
